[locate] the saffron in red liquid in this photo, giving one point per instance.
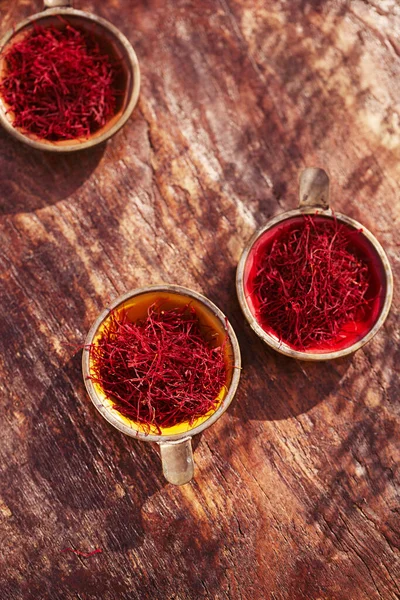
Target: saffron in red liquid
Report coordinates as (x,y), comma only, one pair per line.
(161,370)
(314,283)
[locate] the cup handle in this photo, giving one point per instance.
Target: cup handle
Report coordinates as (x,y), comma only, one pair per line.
(314,188)
(56,3)
(177,461)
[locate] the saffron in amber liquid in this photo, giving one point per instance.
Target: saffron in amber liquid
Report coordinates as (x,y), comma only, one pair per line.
(163,369)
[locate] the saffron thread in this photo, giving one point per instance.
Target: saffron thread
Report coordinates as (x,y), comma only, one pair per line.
(58,83)
(162,370)
(310,286)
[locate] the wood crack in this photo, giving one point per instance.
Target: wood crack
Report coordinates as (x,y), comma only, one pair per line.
(360,556)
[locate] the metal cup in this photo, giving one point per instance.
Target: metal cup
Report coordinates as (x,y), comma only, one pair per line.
(118,46)
(314,196)
(175,442)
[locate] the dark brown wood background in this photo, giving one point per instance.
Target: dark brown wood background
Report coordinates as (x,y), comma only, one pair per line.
(294,495)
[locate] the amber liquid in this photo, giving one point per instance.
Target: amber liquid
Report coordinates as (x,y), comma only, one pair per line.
(212,330)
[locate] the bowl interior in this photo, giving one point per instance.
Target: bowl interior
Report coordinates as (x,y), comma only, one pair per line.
(136,308)
(362,245)
(111,43)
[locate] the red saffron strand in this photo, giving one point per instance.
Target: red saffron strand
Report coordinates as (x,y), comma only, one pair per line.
(84,554)
(161,370)
(58,84)
(309,284)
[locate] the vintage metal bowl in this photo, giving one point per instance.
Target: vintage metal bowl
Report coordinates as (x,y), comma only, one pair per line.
(314,196)
(174,442)
(116,45)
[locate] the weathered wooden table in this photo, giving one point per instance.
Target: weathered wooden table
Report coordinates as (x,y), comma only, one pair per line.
(294,495)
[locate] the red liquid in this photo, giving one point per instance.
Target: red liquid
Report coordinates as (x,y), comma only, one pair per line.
(360,246)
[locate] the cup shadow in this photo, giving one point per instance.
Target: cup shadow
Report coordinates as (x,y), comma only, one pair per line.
(293,387)
(84,464)
(273,386)
(32,179)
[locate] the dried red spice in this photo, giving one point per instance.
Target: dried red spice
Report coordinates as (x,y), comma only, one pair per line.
(58,83)
(161,370)
(83,554)
(310,283)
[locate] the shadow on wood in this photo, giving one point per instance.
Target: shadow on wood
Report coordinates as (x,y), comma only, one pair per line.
(32,179)
(87,465)
(291,388)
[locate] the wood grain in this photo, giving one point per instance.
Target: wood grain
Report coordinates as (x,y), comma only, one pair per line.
(296,488)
